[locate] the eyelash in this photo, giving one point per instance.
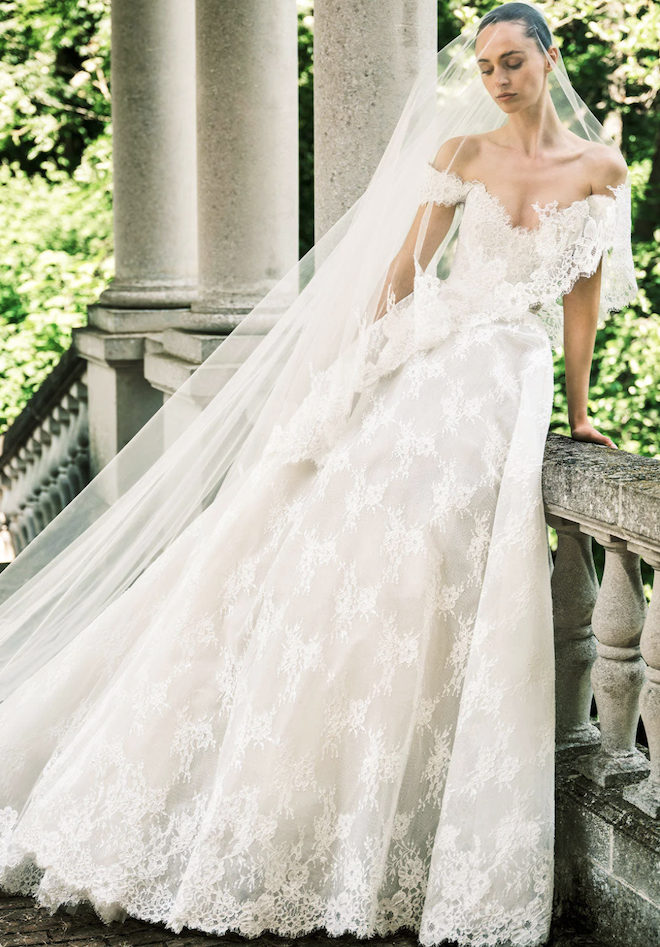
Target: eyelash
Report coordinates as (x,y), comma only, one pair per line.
(490,72)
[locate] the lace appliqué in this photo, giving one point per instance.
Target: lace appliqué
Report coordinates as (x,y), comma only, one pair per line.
(442,187)
(501,274)
(162,766)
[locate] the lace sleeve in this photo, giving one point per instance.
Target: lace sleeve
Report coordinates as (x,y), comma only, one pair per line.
(442,187)
(613,218)
(602,233)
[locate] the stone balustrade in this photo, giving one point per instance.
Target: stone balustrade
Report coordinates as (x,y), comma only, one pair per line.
(606,638)
(45,453)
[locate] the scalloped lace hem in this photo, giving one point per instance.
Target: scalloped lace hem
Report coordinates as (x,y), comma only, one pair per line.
(51,890)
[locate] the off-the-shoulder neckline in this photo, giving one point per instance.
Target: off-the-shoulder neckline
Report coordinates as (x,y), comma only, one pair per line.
(541,209)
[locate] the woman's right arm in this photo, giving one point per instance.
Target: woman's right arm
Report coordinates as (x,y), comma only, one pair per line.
(400,278)
(435,219)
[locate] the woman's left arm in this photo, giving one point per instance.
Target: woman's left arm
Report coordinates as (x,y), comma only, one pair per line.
(606,169)
(580,320)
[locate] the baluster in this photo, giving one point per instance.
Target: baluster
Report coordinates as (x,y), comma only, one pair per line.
(18,529)
(646,794)
(64,486)
(574,592)
(618,671)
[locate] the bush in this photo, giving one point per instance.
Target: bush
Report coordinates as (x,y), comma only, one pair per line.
(55,256)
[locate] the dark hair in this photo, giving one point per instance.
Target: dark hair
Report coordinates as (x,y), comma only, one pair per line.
(532,19)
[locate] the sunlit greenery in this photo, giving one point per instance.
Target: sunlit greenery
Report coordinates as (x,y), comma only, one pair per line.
(55,183)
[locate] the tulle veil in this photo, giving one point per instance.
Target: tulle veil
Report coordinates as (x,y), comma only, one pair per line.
(198,451)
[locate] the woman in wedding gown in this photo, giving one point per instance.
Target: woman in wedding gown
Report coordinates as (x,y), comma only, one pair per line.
(329,703)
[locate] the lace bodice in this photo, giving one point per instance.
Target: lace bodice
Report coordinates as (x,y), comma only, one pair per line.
(500,274)
(501,271)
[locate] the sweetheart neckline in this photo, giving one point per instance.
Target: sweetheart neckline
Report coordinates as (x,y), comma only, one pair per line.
(539,208)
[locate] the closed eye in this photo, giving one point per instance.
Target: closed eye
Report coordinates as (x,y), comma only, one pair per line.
(489,72)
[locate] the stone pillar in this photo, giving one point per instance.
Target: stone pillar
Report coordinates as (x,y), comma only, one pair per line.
(646,794)
(120,399)
(155,215)
(366,57)
(154,145)
(247,120)
(618,672)
(574,592)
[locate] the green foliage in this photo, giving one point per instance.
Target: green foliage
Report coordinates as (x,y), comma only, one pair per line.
(624,380)
(55,174)
(306,123)
(54,97)
(55,257)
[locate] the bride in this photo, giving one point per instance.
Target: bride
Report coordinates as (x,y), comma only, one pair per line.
(291,666)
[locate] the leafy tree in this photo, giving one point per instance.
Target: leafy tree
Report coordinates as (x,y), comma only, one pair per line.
(55,257)
(55,183)
(54,95)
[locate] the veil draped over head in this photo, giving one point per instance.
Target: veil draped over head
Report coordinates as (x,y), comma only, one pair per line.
(284,381)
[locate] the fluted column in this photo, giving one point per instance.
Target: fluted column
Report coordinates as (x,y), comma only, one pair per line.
(646,794)
(618,672)
(574,591)
(247,119)
(366,57)
(154,143)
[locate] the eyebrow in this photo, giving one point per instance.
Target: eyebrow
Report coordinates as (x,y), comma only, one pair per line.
(512,52)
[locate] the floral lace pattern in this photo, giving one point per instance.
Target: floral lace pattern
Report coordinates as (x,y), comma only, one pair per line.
(536,266)
(500,274)
(330,704)
(295,723)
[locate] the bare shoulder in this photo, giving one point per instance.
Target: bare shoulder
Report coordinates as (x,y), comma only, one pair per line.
(457,153)
(604,166)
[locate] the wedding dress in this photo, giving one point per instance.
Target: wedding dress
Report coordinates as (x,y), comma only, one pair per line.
(330,702)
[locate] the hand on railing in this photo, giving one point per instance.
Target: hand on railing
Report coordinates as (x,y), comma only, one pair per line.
(585,431)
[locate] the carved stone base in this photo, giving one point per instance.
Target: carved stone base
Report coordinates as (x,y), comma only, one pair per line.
(586,735)
(609,771)
(646,796)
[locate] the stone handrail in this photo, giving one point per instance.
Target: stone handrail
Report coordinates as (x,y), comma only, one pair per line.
(606,638)
(45,453)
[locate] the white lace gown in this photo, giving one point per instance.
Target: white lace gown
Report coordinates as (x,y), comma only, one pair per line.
(333,705)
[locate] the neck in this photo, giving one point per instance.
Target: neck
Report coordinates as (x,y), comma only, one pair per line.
(535,129)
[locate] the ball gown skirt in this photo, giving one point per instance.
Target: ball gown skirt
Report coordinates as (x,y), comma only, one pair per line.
(329,704)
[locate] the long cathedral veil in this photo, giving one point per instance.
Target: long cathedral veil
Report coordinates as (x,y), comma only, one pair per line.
(200,449)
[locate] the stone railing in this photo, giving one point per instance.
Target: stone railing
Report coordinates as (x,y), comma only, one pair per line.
(45,453)
(606,638)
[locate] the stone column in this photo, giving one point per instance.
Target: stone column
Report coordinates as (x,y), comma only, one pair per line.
(367,55)
(155,215)
(646,794)
(574,592)
(154,145)
(247,119)
(618,672)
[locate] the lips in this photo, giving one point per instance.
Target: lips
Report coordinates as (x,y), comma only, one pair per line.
(507,95)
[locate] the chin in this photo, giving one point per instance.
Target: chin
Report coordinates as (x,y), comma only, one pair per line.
(510,105)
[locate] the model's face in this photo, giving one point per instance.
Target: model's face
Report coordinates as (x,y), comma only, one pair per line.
(513,68)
